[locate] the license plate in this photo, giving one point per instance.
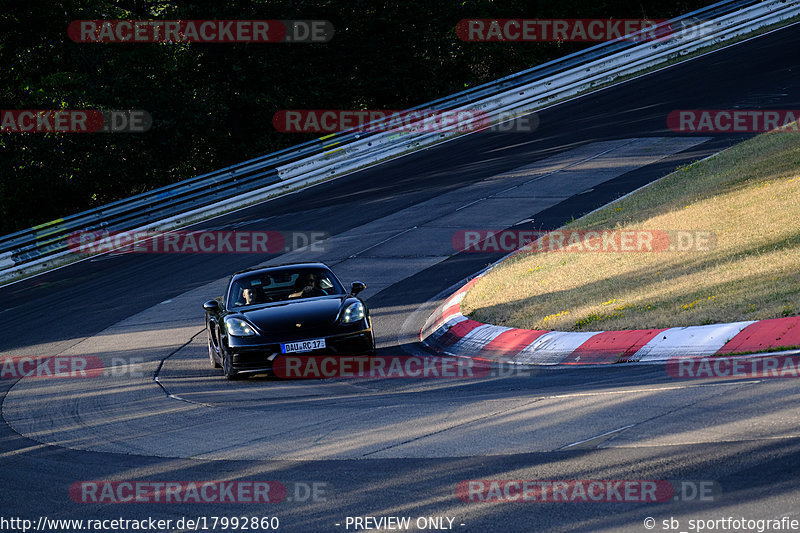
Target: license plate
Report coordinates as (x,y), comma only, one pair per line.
(302,346)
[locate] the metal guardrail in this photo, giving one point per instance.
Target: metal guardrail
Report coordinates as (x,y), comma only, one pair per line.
(254,180)
(537,94)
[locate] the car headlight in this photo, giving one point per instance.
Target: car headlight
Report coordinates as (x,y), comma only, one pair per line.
(353,313)
(239,328)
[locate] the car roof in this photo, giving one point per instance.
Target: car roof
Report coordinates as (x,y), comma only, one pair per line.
(277,268)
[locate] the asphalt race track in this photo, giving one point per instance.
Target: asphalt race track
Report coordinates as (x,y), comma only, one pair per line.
(400,448)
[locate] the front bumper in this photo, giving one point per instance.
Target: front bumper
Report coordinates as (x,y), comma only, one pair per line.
(259,358)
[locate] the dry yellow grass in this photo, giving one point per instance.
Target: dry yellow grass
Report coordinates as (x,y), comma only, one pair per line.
(748,196)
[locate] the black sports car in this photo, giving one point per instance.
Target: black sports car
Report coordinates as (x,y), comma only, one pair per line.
(299,308)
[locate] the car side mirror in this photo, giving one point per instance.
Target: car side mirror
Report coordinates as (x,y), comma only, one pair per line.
(212,306)
(357,287)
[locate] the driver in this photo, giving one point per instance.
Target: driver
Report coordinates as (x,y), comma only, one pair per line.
(249,296)
(306,286)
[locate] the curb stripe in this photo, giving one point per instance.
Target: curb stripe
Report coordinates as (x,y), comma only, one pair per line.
(689,341)
(459,330)
(433,338)
(451,311)
(510,342)
(473,342)
(452,332)
(554,347)
(614,346)
(763,335)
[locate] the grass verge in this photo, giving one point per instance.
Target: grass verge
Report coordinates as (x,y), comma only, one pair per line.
(749,198)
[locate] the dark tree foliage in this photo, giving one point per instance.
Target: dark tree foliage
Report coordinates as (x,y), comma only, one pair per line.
(212,104)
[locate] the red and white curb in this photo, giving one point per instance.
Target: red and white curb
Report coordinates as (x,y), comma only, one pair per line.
(448,331)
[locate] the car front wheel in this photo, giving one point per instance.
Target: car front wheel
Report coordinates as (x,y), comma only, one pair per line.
(227,367)
(211,358)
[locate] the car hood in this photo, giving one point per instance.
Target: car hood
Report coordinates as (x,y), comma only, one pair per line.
(313,314)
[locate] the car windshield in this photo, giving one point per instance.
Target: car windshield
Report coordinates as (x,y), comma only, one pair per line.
(282,285)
